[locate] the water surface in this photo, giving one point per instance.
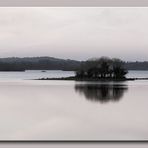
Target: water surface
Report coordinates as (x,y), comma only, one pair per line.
(69,110)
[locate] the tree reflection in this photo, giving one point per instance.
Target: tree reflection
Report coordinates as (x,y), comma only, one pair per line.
(102,93)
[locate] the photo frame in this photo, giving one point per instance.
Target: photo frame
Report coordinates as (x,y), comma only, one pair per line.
(82,3)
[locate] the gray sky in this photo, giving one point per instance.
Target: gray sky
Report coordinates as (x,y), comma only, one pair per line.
(75,33)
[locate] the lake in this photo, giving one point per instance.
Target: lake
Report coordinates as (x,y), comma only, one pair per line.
(69,110)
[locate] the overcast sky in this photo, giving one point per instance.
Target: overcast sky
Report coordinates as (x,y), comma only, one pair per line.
(75,33)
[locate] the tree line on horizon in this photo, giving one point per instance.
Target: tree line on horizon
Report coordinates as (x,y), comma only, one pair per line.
(50,63)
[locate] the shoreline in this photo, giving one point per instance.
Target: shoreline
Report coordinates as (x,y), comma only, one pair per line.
(88,79)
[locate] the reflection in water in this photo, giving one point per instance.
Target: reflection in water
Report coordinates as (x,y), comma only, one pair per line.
(101,92)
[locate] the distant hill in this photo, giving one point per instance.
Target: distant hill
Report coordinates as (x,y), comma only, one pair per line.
(51,63)
(136,65)
(37,63)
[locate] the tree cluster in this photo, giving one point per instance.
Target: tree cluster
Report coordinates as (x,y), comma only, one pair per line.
(102,68)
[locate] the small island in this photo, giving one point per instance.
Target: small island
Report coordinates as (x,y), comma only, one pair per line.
(103,68)
(98,69)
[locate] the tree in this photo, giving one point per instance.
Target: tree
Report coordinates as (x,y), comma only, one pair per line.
(102,68)
(118,69)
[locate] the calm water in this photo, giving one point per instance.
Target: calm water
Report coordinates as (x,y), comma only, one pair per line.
(35,74)
(68,110)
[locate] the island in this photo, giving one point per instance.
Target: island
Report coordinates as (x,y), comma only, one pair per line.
(98,69)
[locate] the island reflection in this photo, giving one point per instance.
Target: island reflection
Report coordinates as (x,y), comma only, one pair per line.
(102,93)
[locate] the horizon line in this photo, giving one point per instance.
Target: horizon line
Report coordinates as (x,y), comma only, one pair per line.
(70,59)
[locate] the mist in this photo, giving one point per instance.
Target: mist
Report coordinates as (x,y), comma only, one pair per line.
(74,32)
